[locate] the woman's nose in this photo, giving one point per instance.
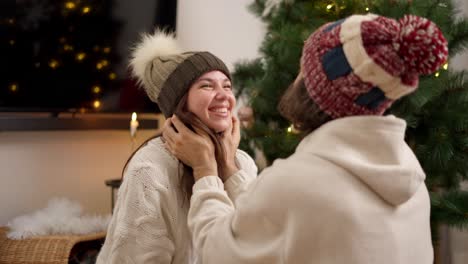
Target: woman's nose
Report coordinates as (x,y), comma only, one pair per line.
(222,93)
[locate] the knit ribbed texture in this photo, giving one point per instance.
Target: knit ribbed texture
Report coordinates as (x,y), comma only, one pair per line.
(362,64)
(158,71)
(186,72)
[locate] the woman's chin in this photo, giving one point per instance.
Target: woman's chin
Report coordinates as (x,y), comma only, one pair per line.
(219,128)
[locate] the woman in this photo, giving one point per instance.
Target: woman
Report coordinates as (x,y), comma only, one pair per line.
(353,191)
(149,222)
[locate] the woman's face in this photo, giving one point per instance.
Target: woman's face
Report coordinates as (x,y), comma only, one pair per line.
(211,99)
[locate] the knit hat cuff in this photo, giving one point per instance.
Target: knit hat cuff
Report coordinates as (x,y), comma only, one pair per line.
(184,75)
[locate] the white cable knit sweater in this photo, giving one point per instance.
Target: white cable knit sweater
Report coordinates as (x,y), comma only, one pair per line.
(149,222)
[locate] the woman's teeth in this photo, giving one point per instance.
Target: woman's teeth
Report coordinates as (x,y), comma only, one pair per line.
(220,110)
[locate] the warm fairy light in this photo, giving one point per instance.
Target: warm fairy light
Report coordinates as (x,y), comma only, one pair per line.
(12,42)
(437,74)
(11,21)
(290,129)
(445,66)
(13,87)
(112,76)
(96,104)
(96,89)
(86,9)
(70,5)
(367,9)
(106,49)
(68,47)
(53,63)
(101,64)
(329,6)
(80,56)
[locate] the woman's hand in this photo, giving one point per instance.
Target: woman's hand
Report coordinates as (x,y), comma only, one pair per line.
(231,139)
(194,149)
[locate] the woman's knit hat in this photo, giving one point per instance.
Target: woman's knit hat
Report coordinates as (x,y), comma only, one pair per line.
(165,72)
(362,64)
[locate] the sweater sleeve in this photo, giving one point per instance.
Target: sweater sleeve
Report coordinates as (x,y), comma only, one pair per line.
(249,233)
(239,181)
(139,231)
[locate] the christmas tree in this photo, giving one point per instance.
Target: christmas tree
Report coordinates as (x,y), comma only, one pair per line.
(436,113)
(59,54)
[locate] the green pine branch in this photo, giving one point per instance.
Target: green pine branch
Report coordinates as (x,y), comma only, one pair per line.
(436,113)
(450,208)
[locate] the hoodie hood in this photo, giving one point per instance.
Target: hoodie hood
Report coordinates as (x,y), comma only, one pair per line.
(371,148)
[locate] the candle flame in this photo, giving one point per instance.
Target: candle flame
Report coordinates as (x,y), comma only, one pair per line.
(134,116)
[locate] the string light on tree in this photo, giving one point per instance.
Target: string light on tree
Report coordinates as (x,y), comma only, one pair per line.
(445,66)
(80,56)
(13,87)
(70,5)
(106,50)
(292,129)
(329,7)
(96,89)
(67,47)
(367,9)
(96,104)
(86,9)
(53,63)
(437,74)
(112,76)
(101,64)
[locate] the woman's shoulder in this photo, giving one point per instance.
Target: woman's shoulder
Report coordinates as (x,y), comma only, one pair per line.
(153,161)
(154,152)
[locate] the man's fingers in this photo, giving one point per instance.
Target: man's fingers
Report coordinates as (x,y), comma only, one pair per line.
(180,126)
(169,134)
(201,132)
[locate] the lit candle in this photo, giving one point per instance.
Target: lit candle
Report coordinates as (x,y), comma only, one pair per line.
(133,125)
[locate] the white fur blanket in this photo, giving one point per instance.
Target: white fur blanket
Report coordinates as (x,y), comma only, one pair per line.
(60,217)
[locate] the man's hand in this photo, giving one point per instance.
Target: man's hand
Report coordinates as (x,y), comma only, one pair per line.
(194,149)
(231,139)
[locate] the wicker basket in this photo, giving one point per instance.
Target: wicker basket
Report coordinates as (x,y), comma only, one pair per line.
(44,249)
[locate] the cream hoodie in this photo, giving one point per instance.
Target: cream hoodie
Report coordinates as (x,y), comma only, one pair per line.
(353,192)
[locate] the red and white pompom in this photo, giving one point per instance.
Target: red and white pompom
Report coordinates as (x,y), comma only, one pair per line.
(421,44)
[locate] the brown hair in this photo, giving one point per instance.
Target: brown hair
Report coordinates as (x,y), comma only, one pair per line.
(297,107)
(192,121)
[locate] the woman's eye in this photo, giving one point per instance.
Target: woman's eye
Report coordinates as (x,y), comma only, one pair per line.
(227,86)
(206,85)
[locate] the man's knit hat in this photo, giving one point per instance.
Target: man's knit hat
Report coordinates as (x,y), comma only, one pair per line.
(165,72)
(362,64)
